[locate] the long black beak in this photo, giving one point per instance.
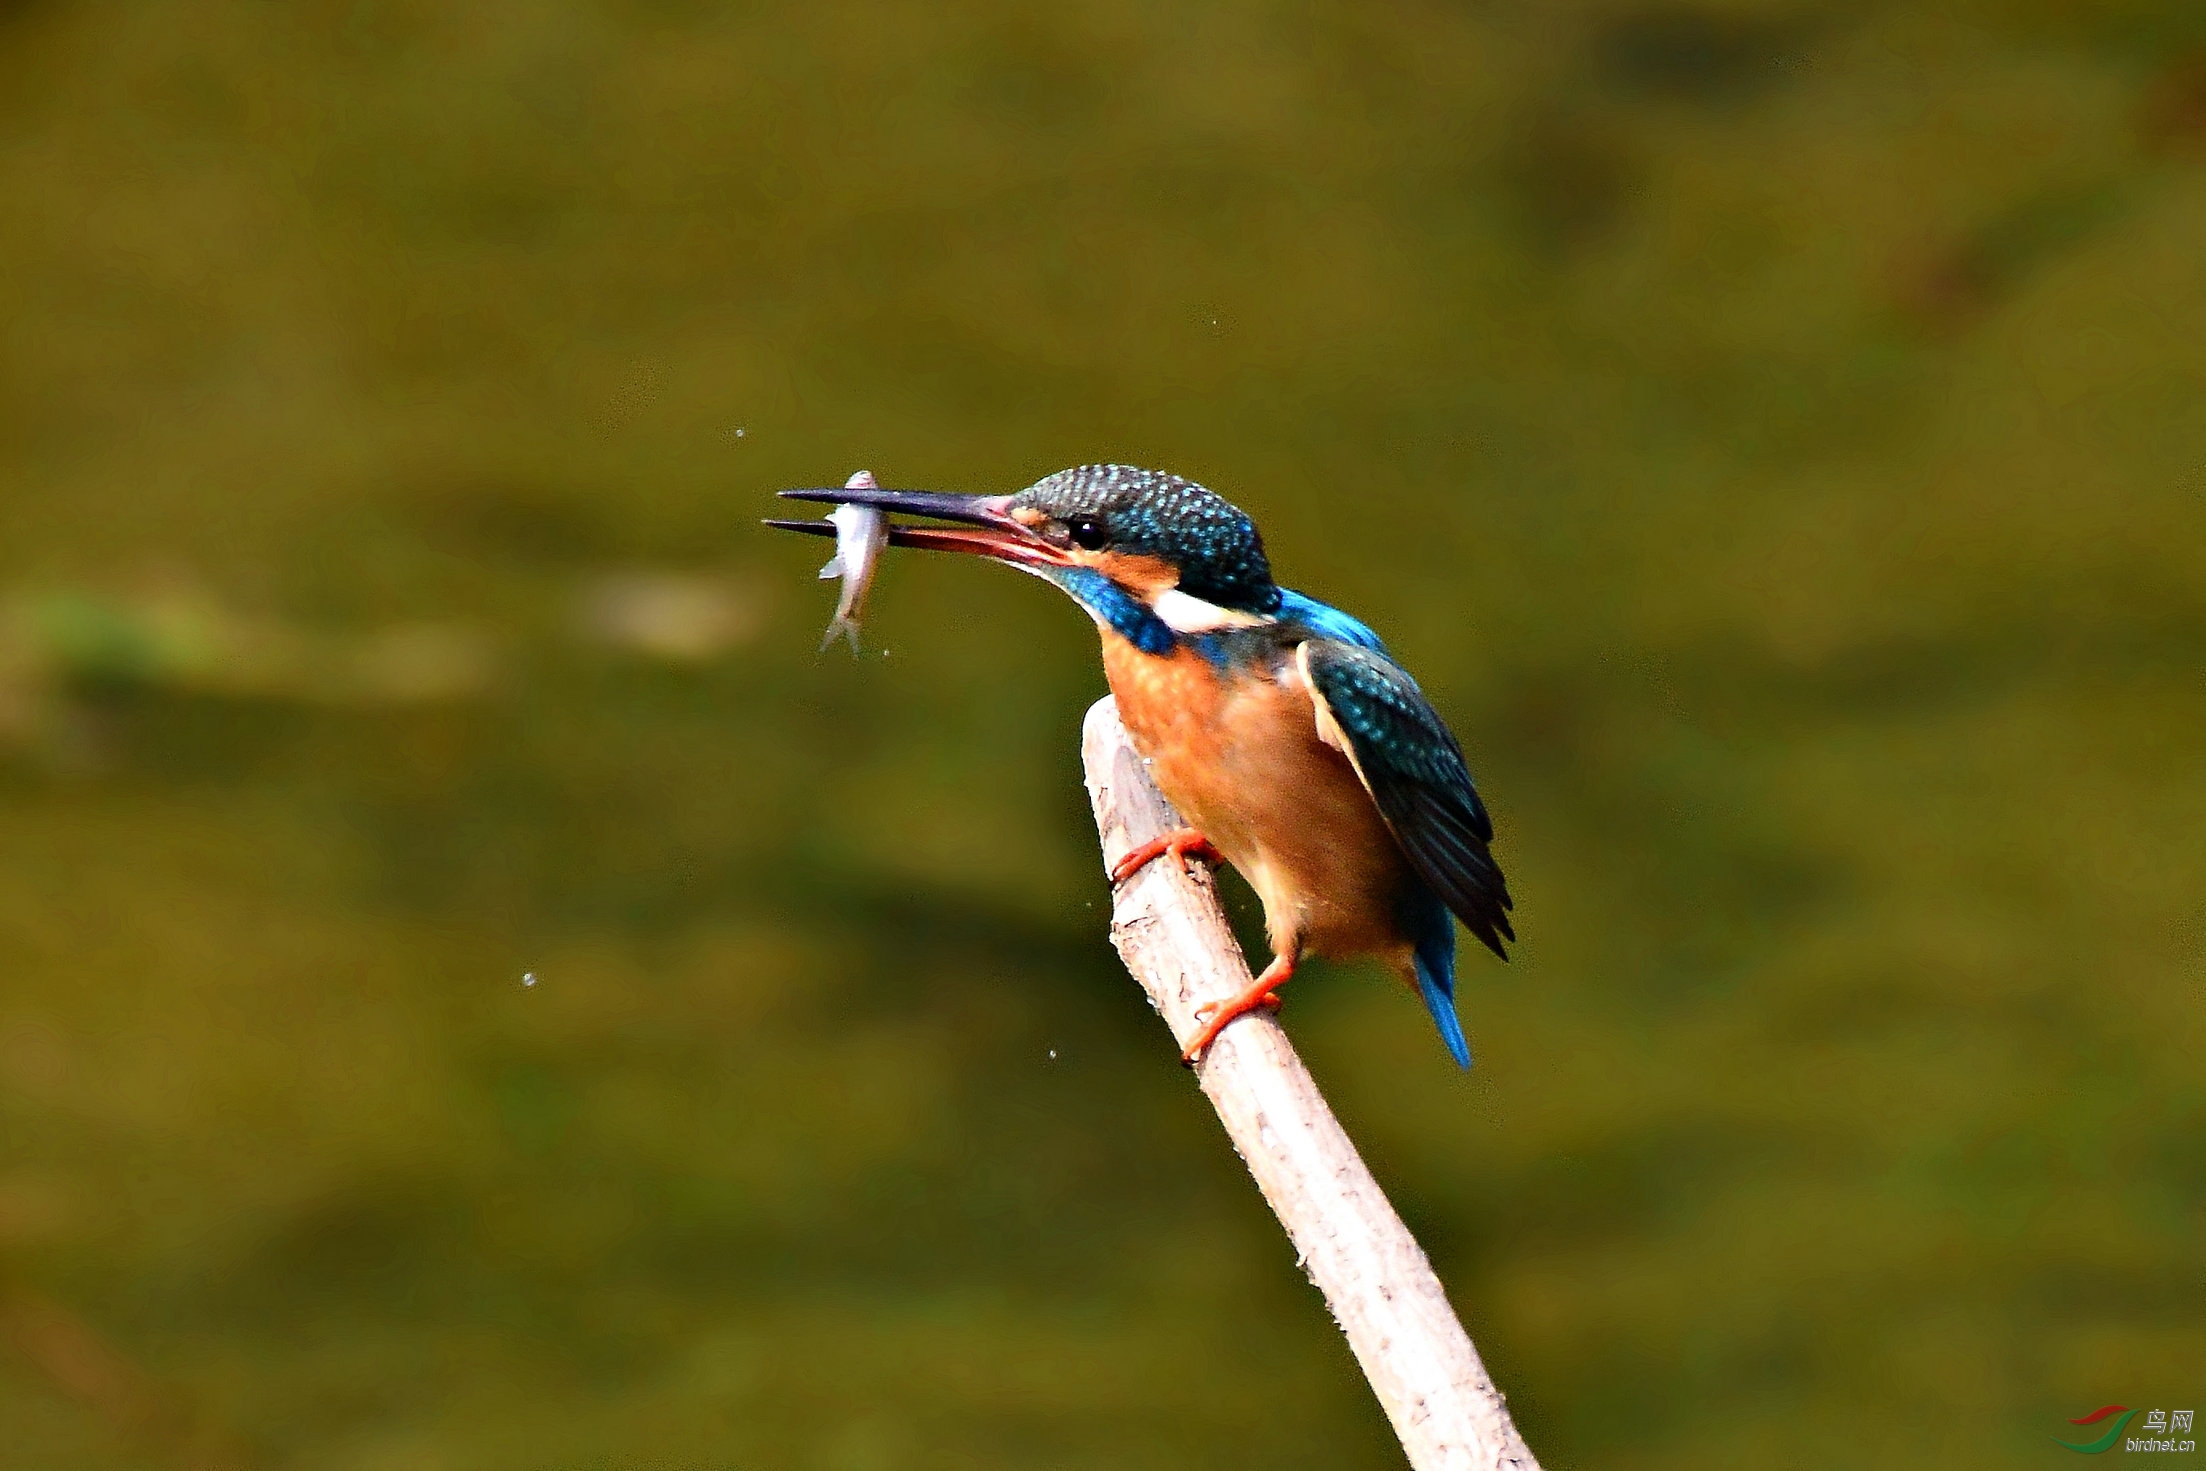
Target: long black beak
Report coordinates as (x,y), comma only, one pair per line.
(995,532)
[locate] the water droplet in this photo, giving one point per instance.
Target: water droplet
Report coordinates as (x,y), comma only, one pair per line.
(740,432)
(528,978)
(1052,1054)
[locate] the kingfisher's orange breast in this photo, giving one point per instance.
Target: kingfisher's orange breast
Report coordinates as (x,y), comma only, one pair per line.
(1238,752)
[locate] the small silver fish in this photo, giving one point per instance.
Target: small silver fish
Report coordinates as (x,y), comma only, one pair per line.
(860,533)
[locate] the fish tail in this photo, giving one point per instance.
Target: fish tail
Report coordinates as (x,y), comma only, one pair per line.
(842,625)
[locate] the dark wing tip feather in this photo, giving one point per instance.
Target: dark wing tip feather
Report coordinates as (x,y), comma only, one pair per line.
(1457,866)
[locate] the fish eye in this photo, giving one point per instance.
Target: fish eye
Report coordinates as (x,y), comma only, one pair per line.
(1087,532)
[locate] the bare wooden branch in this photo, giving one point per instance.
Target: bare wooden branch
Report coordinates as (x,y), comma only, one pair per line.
(1173,937)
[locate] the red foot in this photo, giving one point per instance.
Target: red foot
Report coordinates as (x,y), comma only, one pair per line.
(1259,993)
(1179,843)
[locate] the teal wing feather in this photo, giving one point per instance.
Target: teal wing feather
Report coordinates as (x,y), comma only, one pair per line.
(1410,763)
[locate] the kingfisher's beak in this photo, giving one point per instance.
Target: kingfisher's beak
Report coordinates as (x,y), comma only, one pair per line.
(987,526)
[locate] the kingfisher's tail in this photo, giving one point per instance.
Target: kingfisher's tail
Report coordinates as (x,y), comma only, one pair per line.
(1434,959)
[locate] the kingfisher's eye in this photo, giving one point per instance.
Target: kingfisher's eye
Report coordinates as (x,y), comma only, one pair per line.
(1086,532)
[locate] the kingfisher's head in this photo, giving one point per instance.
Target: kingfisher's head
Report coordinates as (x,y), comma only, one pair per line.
(1122,541)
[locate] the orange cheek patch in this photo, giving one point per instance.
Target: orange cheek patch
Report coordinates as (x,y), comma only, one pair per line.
(1134,571)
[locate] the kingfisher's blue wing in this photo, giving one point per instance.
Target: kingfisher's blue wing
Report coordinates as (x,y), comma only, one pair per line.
(1414,770)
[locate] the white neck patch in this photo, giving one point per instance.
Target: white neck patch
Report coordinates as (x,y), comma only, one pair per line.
(1186,613)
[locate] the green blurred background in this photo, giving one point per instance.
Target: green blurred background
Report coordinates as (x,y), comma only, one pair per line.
(1774,432)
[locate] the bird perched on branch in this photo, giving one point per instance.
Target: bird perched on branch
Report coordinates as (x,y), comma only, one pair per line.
(1293,744)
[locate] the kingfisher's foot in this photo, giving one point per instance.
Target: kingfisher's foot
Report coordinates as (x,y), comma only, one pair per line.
(1262,992)
(1179,843)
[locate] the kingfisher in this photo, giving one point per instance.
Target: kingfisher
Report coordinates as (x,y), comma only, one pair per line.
(1288,738)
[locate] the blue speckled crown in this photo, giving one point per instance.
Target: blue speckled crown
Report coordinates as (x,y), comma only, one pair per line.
(1217,549)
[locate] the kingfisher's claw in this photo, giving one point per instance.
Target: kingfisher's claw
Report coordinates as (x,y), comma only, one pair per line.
(1178,843)
(1261,993)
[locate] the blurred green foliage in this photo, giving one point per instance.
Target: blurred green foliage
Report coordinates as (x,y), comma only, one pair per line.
(1775,433)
